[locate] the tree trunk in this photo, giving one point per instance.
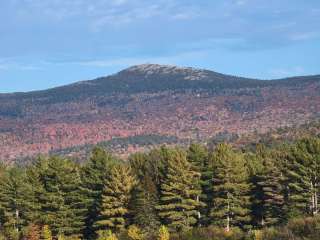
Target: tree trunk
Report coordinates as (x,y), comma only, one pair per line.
(228,218)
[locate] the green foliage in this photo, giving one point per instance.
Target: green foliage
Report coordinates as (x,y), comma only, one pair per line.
(46,233)
(212,233)
(33,232)
(62,200)
(106,235)
(179,201)
(15,199)
(268,190)
(116,197)
(163,233)
(198,156)
(143,204)
(231,189)
(93,175)
(134,233)
(297,229)
(247,195)
(303,177)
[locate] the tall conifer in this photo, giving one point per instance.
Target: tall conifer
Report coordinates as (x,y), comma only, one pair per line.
(231,190)
(303,178)
(116,196)
(198,156)
(179,201)
(269,187)
(93,175)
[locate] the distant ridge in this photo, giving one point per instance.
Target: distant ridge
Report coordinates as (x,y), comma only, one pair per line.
(152,100)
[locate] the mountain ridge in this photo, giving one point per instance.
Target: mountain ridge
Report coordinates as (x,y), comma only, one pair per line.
(152,100)
(136,68)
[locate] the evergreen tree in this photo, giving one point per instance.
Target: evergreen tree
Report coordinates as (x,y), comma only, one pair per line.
(139,164)
(179,201)
(198,156)
(231,190)
(74,199)
(15,198)
(116,196)
(145,199)
(157,164)
(303,176)
(35,180)
(94,174)
(145,195)
(62,203)
(269,189)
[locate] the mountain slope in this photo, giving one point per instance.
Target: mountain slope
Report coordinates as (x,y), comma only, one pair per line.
(183,103)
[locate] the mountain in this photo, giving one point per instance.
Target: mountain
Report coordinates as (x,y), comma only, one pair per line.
(158,102)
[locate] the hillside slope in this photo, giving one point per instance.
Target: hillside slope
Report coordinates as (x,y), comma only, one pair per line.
(152,100)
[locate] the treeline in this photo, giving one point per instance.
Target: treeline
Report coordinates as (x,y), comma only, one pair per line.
(168,193)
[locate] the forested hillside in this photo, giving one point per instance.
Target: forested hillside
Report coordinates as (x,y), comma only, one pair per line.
(198,192)
(124,146)
(164,102)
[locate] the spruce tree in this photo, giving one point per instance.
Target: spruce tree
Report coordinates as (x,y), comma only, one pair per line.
(231,190)
(115,199)
(179,201)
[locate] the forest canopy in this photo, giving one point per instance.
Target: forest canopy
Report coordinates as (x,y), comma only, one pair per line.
(168,193)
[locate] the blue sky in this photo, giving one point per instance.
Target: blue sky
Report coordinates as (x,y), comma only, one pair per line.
(47,43)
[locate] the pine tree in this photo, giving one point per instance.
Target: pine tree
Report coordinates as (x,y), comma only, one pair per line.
(156,165)
(62,205)
(93,176)
(15,198)
(35,174)
(269,189)
(303,176)
(116,196)
(179,201)
(143,204)
(74,199)
(139,164)
(145,195)
(231,190)
(198,156)
(52,200)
